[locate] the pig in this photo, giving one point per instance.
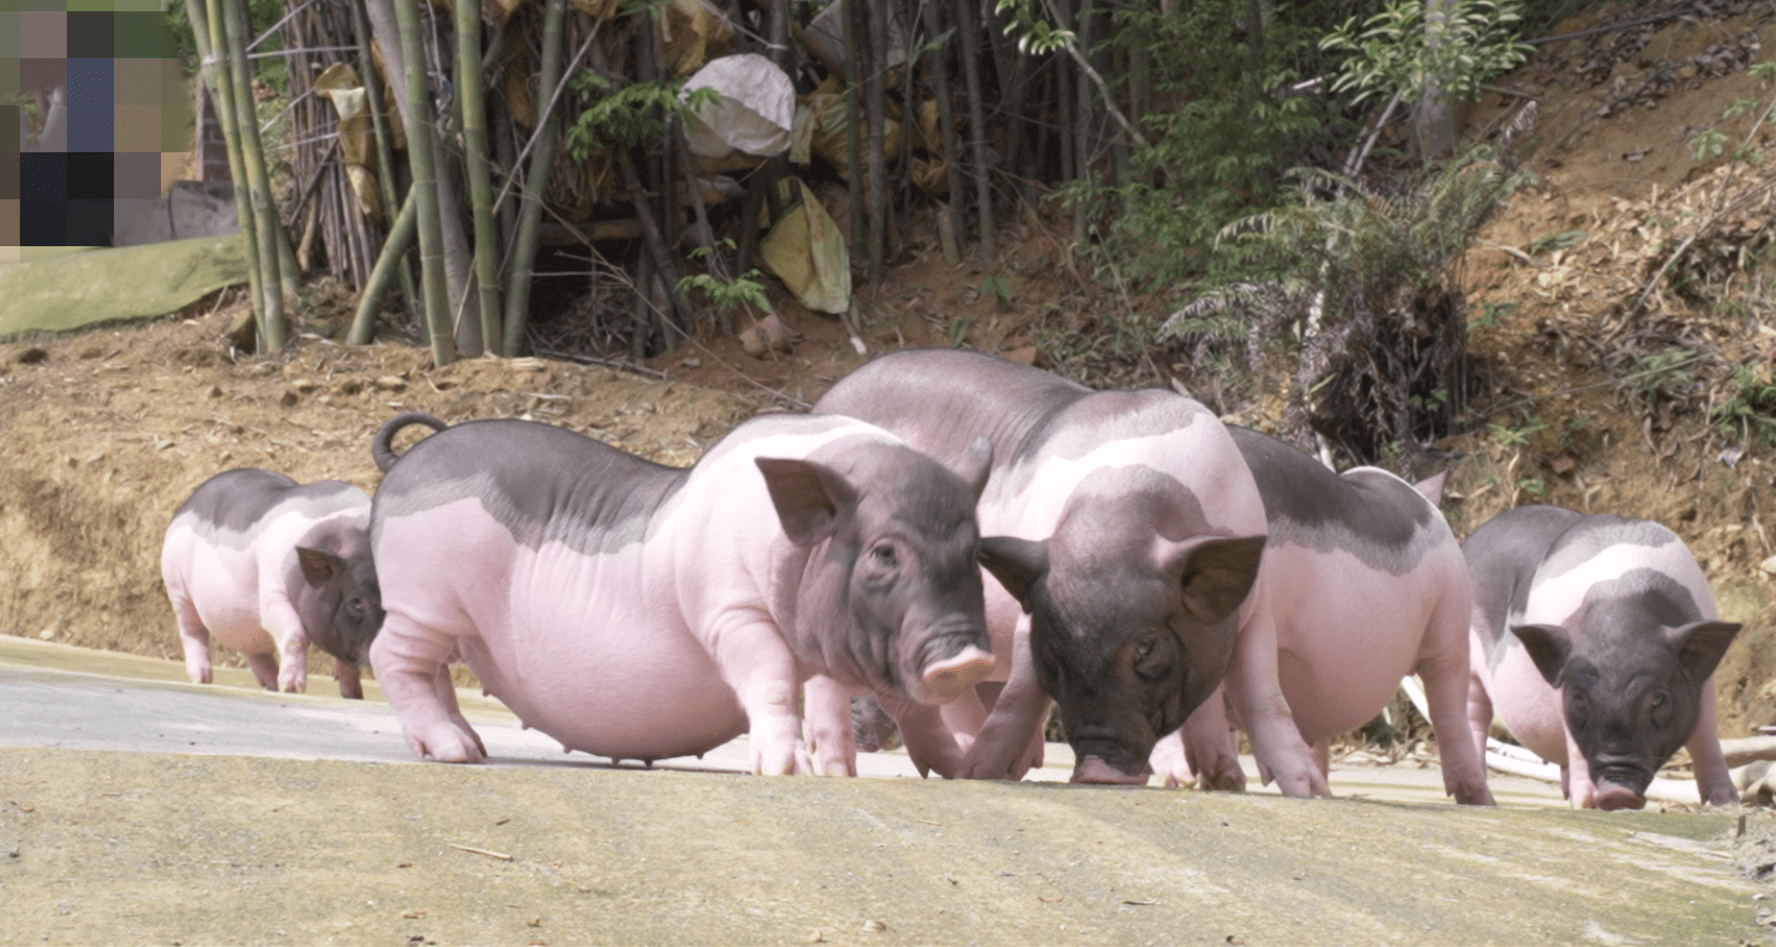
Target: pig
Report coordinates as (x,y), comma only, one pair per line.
(1595,639)
(268,565)
(1128,536)
(637,611)
(1366,584)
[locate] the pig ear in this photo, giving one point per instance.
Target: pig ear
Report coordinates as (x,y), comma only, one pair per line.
(1548,647)
(1018,564)
(319,566)
(1215,572)
(1700,646)
(977,466)
(1432,488)
(810,498)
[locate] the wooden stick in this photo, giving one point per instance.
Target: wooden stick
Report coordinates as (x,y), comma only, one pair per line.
(502,856)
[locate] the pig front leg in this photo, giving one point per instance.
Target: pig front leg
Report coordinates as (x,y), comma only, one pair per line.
(759,667)
(1713,783)
(1575,777)
(265,668)
(1170,762)
(409,661)
(445,688)
(1211,747)
(826,713)
(195,638)
(346,676)
(929,742)
(292,643)
(1258,700)
(1001,749)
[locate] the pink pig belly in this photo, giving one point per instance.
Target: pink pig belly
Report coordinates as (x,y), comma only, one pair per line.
(1346,634)
(590,650)
(1529,707)
(222,584)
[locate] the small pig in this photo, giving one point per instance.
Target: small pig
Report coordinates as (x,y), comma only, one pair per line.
(1595,638)
(637,611)
(1366,585)
(1130,536)
(267,565)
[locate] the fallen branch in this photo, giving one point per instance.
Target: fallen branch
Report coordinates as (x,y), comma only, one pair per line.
(502,856)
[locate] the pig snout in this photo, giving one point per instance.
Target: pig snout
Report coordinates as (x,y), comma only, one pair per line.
(1094,769)
(1105,756)
(1619,785)
(1617,796)
(947,678)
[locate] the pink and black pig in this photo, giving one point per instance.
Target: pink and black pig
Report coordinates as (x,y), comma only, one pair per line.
(638,611)
(1595,639)
(1126,536)
(268,565)
(1366,584)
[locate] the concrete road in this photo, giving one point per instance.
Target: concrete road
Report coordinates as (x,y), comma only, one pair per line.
(136,808)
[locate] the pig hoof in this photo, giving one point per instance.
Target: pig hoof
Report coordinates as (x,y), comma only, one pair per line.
(447,744)
(838,768)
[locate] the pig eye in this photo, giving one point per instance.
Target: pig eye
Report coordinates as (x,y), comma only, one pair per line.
(1578,712)
(1147,659)
(884,556)
(1659,708)
(355,607)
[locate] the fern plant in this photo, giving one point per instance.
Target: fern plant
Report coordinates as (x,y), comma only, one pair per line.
(1364,280)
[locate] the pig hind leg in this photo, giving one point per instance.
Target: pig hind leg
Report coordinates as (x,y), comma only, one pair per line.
(1444,665)
(195,637)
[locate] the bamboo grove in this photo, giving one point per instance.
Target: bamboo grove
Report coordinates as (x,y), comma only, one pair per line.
(438,153)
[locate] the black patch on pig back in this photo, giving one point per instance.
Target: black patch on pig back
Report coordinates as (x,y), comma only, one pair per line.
(1593,534)
(940,400)
(232,507)
(542,483)
(1382,521)
(1503,555)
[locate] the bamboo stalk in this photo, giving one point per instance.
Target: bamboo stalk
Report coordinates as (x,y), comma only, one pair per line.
(214,51)
(1065,99)
(875,93)
(909,116)
(853,146)
(656,245)
(1082,116)
(385,155)
(265,219)
(508,163)
(394,250)
(643,314)
(936,62)
(421,157)
(535,182)
(234,69)
(977,122)
(474,125)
